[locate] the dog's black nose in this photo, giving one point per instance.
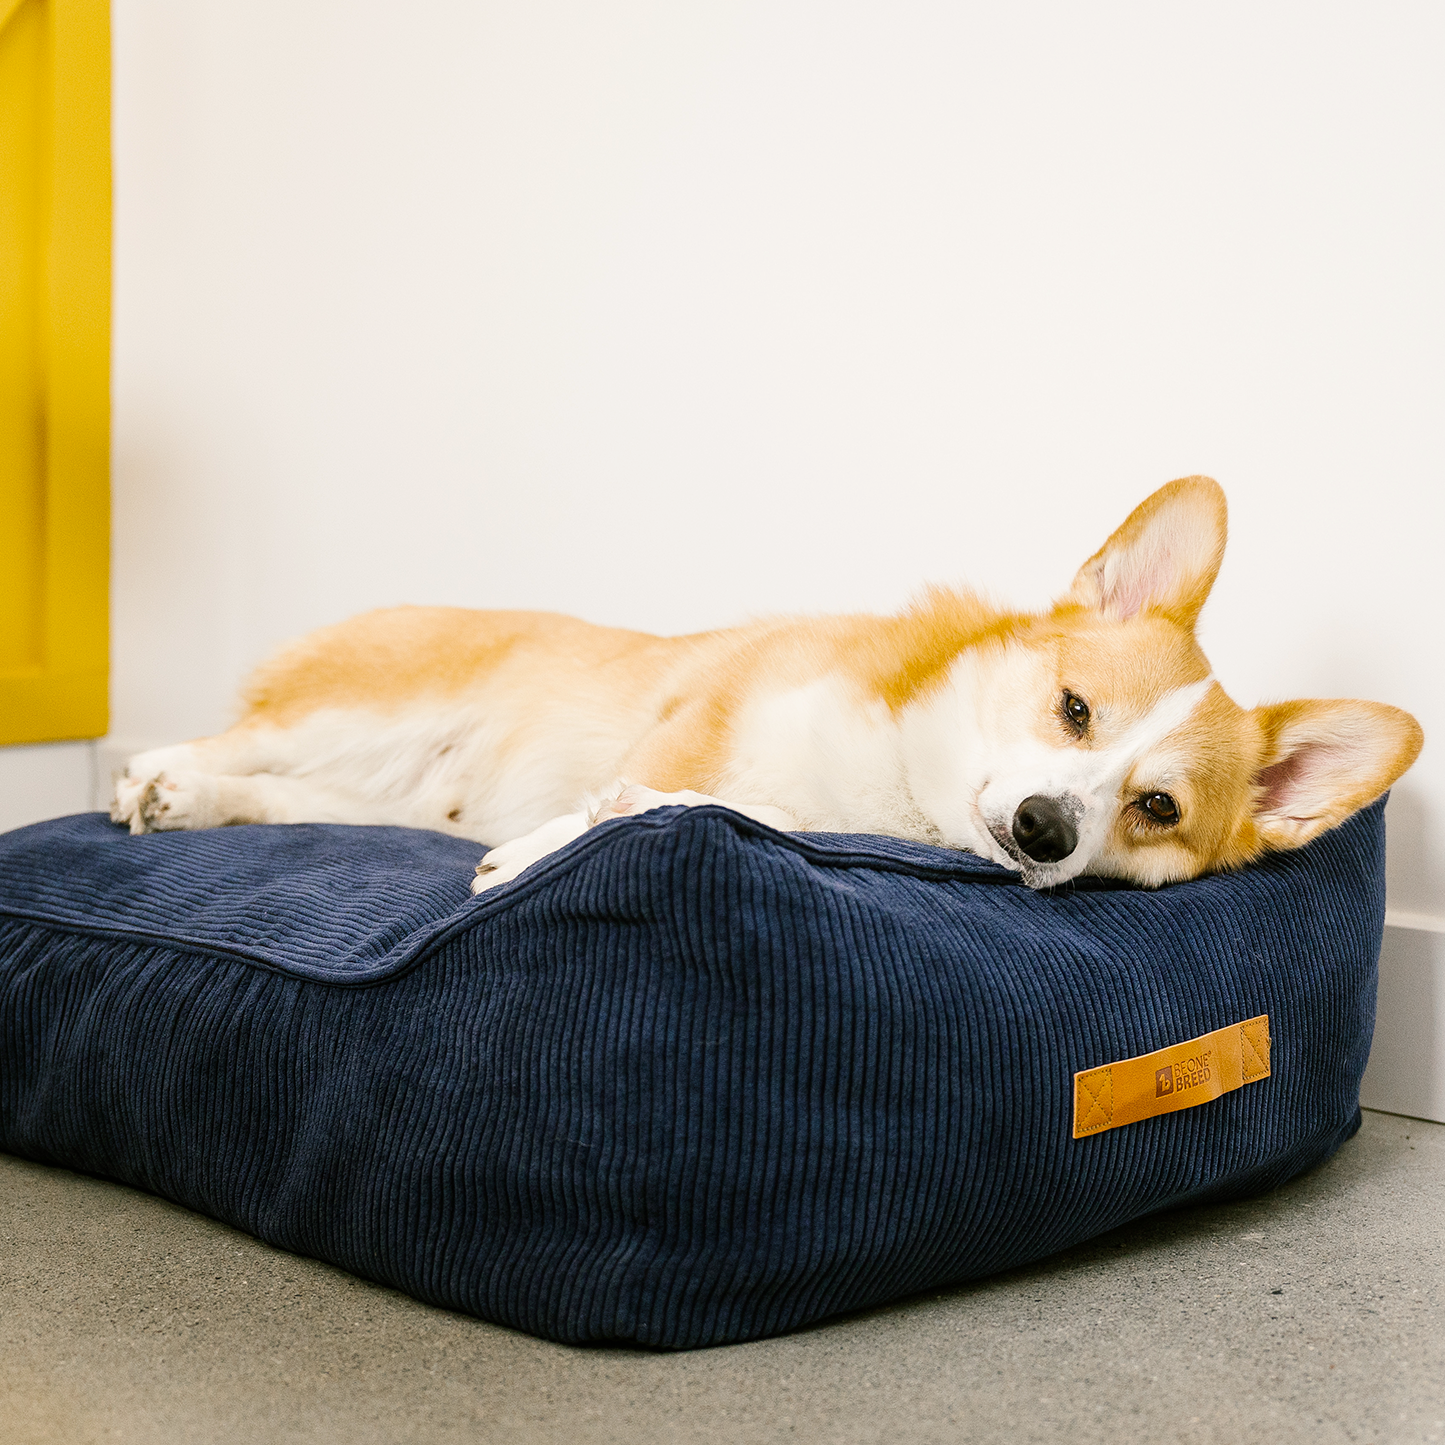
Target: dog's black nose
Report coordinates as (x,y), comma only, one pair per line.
(1042,831)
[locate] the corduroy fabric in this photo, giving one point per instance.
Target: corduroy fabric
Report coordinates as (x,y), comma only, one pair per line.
(689,1081)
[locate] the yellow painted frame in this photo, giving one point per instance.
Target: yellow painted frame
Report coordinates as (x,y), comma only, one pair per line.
(54,369)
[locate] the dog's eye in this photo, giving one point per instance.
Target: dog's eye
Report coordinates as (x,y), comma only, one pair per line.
(1161,808)
(1075,711)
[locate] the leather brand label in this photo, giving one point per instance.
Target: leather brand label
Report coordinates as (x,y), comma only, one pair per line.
(1178,1077)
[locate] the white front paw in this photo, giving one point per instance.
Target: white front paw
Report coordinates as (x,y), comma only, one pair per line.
(503,864)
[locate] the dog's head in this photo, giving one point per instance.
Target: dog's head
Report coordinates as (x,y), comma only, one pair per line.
(1106,747)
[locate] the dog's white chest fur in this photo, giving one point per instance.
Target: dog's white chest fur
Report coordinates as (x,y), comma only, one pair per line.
(835,762)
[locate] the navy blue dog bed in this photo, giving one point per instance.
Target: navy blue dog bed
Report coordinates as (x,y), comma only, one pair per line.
(688,1081)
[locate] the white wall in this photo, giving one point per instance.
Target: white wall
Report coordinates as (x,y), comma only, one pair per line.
(665,314)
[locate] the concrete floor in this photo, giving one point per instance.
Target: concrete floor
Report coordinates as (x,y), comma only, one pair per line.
(1316,1314)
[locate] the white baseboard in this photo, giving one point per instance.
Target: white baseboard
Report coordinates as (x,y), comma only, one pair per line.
(1426,922)
(1407,1063)
(45,780)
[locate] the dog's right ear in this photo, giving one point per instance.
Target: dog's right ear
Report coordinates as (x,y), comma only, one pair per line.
(1163,559)
(1323,760)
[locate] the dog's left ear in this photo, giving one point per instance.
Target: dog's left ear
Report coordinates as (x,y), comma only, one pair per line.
(1323,760)
(1163,559)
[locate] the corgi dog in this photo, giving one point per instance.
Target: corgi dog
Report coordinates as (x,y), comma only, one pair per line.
(1091,738)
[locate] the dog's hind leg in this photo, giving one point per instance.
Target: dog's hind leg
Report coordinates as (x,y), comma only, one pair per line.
(192,767)
(177,799)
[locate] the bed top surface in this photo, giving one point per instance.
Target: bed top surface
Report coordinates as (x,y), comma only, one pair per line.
(356,904)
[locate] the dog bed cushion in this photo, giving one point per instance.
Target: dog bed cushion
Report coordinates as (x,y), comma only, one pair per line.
(687,1081)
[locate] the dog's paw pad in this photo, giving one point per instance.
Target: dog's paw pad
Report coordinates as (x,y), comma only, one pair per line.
(154,806)
(169,802)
